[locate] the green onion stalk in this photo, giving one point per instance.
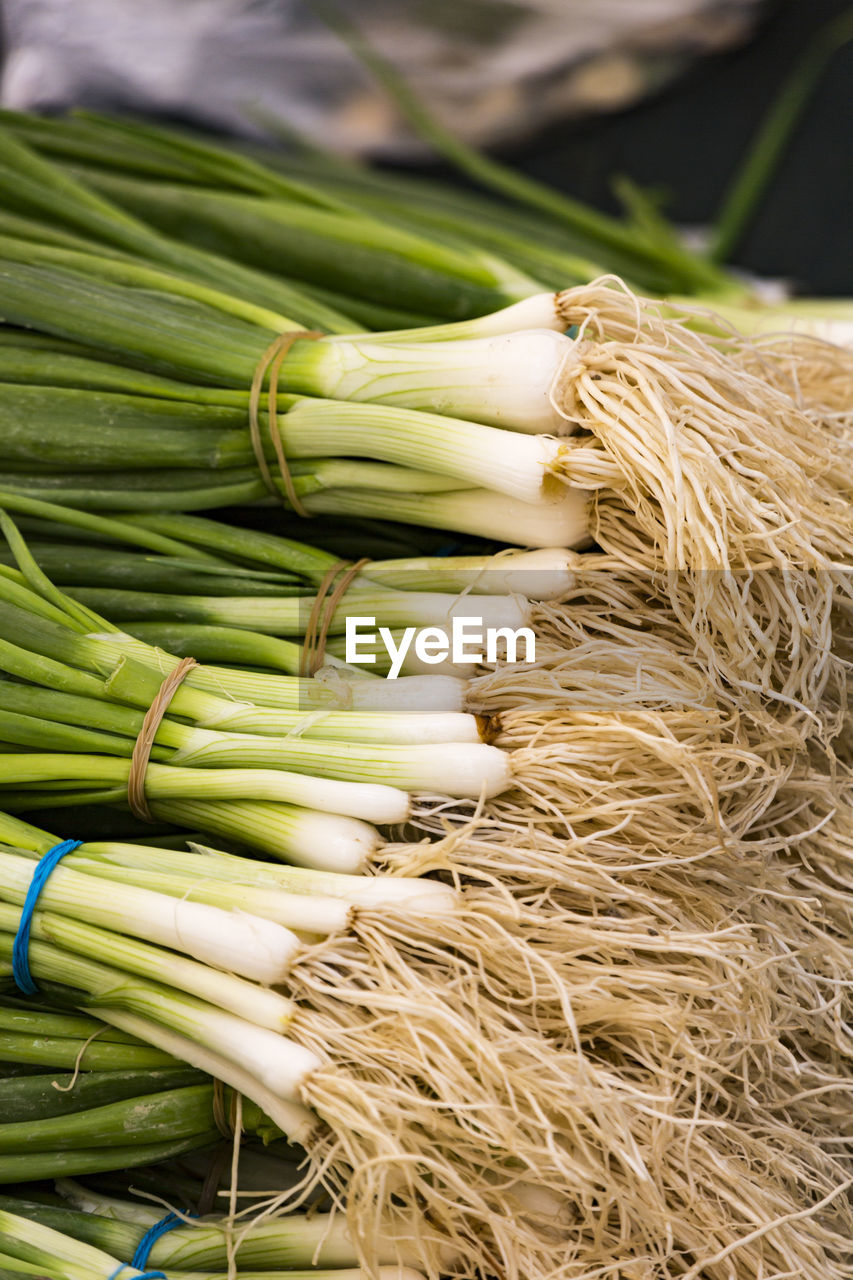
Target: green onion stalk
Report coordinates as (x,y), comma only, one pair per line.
(208,194)
(205,194)
(317,778)
(79,1097)
(201,588)
(28,1248)
(72,1241)
(379,1029)
(338,251)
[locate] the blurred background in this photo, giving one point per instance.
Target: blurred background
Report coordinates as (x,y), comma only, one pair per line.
(578,93)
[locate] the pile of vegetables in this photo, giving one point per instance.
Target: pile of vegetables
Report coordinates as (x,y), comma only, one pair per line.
(544,964)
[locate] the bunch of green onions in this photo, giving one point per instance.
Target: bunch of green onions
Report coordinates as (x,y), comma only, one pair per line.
(263,758)
(220,594)
(81,427)
(79,1096)
(136,390)
(185,951)
(334,1041)
(334,226)
(86,1235)
(142,389)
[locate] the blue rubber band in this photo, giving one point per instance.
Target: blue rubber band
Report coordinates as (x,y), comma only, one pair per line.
(21,946)
(147,1275)
(152,1235)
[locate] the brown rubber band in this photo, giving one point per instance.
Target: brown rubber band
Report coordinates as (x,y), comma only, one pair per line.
(142,747)
(326,601)
(272,359)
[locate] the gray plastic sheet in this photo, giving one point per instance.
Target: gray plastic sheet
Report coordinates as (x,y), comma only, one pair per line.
(491,69)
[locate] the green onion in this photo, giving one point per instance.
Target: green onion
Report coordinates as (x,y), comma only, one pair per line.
(39,1248)
(245,1050)
(172,1115)
(53,655)
(61,1040)
(34,1097)
(561,238)
(112,1111)
(240,946)
(334,248)
(41,189)
(301,898)
(290,1244)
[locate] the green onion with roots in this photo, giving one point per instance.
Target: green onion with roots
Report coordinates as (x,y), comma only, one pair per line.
(334,994)
(38,295)
(654,504)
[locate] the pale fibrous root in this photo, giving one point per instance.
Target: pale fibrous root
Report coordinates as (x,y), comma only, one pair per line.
(661,1169)
(710,479)
(629,1054)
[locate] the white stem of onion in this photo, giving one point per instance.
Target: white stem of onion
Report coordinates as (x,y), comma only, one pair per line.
(414,893)
(242,944)
(322,841)
(309,914)
(546,574)
(562,520)
(509,462)
(261,1005)
(348,726)
(294,1119)
(539,311)
(504,380)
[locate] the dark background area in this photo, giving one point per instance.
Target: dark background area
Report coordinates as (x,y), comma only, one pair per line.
(688,140)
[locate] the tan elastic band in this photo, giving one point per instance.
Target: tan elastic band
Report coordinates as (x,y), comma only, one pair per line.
(223,1118)
(326,601)
(223,1153)
(142,748)
(272,359)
